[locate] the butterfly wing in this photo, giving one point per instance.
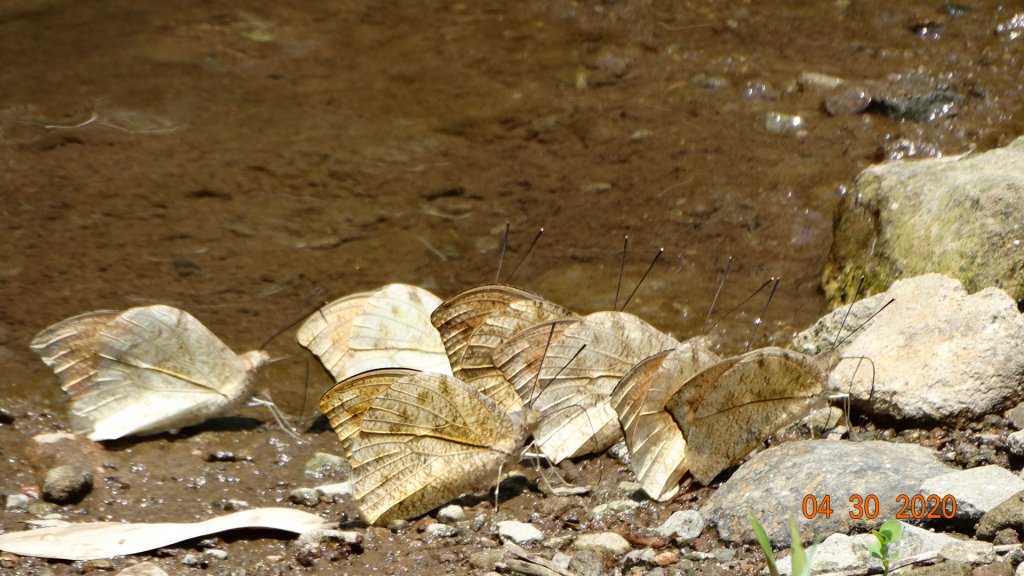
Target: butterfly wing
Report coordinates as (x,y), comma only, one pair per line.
(387,327)
(427,439)
(345,403)
(69,348)
(732,407)
(148,370)
(473,323)
(575,385)
(656,445)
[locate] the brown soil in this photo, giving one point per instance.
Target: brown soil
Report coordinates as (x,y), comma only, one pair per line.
(241,155)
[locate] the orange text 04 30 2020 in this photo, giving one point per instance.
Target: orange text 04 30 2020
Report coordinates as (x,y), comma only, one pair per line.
(868,506)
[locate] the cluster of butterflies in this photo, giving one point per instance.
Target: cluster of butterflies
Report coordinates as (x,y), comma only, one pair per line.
(433,398)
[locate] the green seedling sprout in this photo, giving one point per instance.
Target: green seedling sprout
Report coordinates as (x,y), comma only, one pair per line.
(800,559)
(888,533)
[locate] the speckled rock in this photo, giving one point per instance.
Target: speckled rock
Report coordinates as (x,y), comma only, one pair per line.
(324,465)
(433,531)
(682,525)
(519,532)
(1016,416)
(840,552)
(1015,442)
(938,354)
(958,215)
(774,483)
(976,490)
(1009,514)
(67,484)
(17,502)
(306,496)
(451,514)
(591,562)
(610,542)
(614,506)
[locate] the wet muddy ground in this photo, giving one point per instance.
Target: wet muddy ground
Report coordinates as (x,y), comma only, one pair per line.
(231,158)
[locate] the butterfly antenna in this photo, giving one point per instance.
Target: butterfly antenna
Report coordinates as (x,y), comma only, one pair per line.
(642,278)
(504,247)
(622,270)
(714,301)
(760,319)
(740,305)
(864,323)
(301,314)
(540,367)
(536,238)
(839,332)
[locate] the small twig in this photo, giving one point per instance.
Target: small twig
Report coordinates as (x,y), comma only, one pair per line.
(523,567)
(441,255)
(925,558)
(548,568)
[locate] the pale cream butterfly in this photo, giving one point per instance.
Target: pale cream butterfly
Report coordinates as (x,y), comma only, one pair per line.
(145,370)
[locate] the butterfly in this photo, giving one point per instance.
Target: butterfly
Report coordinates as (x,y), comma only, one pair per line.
(570,386)
(386,327)
(416,440)
(721,411)
(474,323)
(144,370)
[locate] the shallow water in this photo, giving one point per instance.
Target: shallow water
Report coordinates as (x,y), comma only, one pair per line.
(232,158)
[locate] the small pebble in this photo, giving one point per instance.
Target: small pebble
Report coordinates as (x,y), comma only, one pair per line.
(398,524)
(99,565)
(610,542)
(629,487)
(143,569)
(614,506)
(590,562)
(314,538)
(335,492)
(847,100)
(304,496)
(664,559)
(215,554)
(451,514)
(17,502)
(191,559)
(1016,416)
(682,525)
(67,484)
(322,465)
(225,456)
(519,532)
(232,504)
(440,531)
(818,81)
(486,559)
(778,122)
(638,558)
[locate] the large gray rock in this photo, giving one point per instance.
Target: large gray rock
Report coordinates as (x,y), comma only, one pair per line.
(774,483)
(936,353)
(958,215)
